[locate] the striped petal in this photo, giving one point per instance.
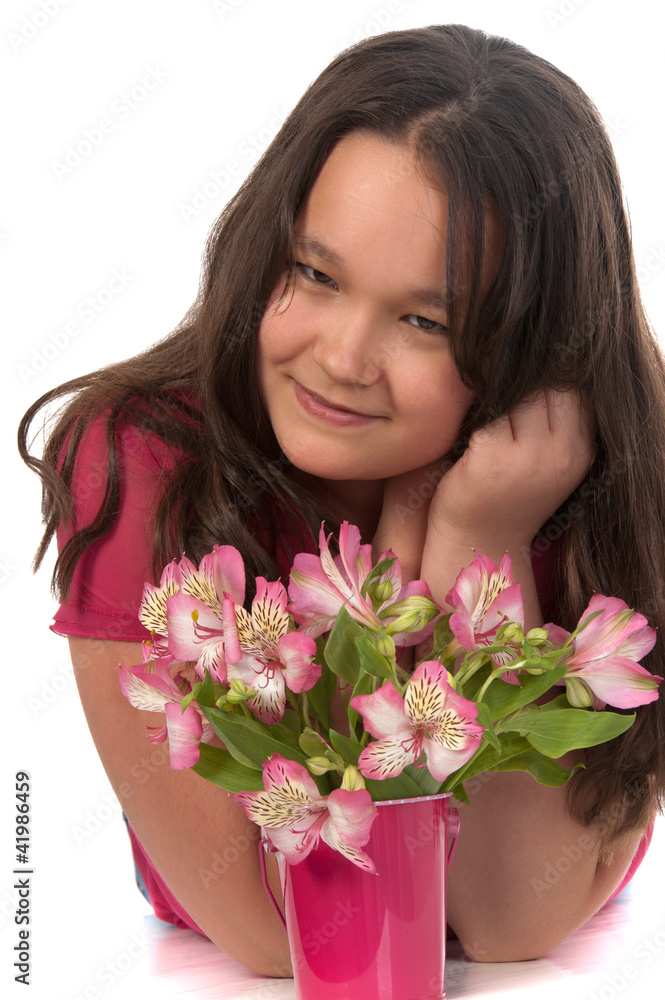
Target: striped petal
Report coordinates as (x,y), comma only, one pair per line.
(145,690)
(152,613)
(267,679)
(388,757)
(482,597)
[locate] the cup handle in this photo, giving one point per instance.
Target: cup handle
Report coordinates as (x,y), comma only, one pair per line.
(264,847)
(453,830)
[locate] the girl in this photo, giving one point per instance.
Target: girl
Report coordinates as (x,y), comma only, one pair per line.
(419,314)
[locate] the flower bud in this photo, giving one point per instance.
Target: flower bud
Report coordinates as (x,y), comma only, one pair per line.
(386,645)
(352,780)
(510,632)
(239,692)
(537,636)
(578,693)
(381,592)
(412,621)
(319,765)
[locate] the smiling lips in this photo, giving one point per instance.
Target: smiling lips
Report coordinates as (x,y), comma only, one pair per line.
(318,407)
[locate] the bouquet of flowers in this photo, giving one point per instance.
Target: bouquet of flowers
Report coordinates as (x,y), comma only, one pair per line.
(256,701)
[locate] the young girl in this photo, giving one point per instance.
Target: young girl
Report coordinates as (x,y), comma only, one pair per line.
(419,314)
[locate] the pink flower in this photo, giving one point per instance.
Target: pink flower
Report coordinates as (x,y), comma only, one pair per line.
(261,652)
(154,690)
(196,613)
(296,816)
(431,719)
(152,613)
(483,597)
(602,667)
(320,586)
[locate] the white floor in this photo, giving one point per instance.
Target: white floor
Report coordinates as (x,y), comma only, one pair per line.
(620,952)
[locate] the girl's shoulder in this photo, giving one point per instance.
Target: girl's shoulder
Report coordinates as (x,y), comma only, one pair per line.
(124,470)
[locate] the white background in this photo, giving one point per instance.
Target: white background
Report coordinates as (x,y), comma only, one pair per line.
(223,76)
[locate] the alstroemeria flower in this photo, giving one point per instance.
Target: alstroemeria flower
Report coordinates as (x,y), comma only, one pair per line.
(152,612)
(602,667)
(197,613)
(261,652)
(155,690)
(482,598)
(321,585)
(296,816)
(431,719)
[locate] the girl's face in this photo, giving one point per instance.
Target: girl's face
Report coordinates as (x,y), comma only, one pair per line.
(355,369)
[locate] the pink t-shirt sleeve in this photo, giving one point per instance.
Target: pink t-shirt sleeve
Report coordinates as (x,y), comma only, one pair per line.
(108,580)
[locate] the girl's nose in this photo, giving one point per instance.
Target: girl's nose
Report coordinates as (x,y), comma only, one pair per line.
(348,347)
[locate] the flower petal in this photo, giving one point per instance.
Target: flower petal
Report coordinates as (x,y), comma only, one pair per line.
(267,679)
(619,681)
(195,638)
(184,731)
(145,690)
(383,712)
(388,757)
(295,652)
(152,613)
(228,572)
(280,773)
(347,827)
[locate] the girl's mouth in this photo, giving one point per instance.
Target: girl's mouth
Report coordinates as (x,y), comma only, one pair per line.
(330,413)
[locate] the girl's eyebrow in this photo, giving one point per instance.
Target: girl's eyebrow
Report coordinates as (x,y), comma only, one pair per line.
(428,297)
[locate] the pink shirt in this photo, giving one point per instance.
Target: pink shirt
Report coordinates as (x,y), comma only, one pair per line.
(106,591)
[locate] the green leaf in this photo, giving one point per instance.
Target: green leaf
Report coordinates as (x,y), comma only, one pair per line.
(504,699)
(364,685)
(206,693)
(443,636)
(557,731)
(341,653)
(544,770)
(321,695)
(371,660)
(291,720)
(217,765)
(461,796)
(484,719)
(485,758)
(249,741)
(425,781)
(401,787)
(348,749)
(559,702)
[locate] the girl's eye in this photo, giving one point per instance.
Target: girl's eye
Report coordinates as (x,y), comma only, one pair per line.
(423,323)
(319,276)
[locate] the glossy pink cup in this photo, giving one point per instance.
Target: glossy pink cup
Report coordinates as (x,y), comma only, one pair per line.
(356,936)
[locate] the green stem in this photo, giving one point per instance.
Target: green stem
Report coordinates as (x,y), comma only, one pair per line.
(476,661)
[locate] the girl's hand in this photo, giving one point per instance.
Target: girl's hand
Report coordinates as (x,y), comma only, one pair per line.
(514,475)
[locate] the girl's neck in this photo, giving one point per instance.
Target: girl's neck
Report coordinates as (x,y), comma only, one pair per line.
(356,501)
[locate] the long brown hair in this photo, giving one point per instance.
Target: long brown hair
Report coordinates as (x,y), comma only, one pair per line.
(498,125)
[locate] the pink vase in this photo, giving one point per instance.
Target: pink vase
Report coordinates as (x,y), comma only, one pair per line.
(356,936)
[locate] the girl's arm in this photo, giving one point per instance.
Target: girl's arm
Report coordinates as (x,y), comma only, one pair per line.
(183,822)
(524,876)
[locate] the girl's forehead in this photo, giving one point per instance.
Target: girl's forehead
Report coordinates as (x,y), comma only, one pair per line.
(374,196)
